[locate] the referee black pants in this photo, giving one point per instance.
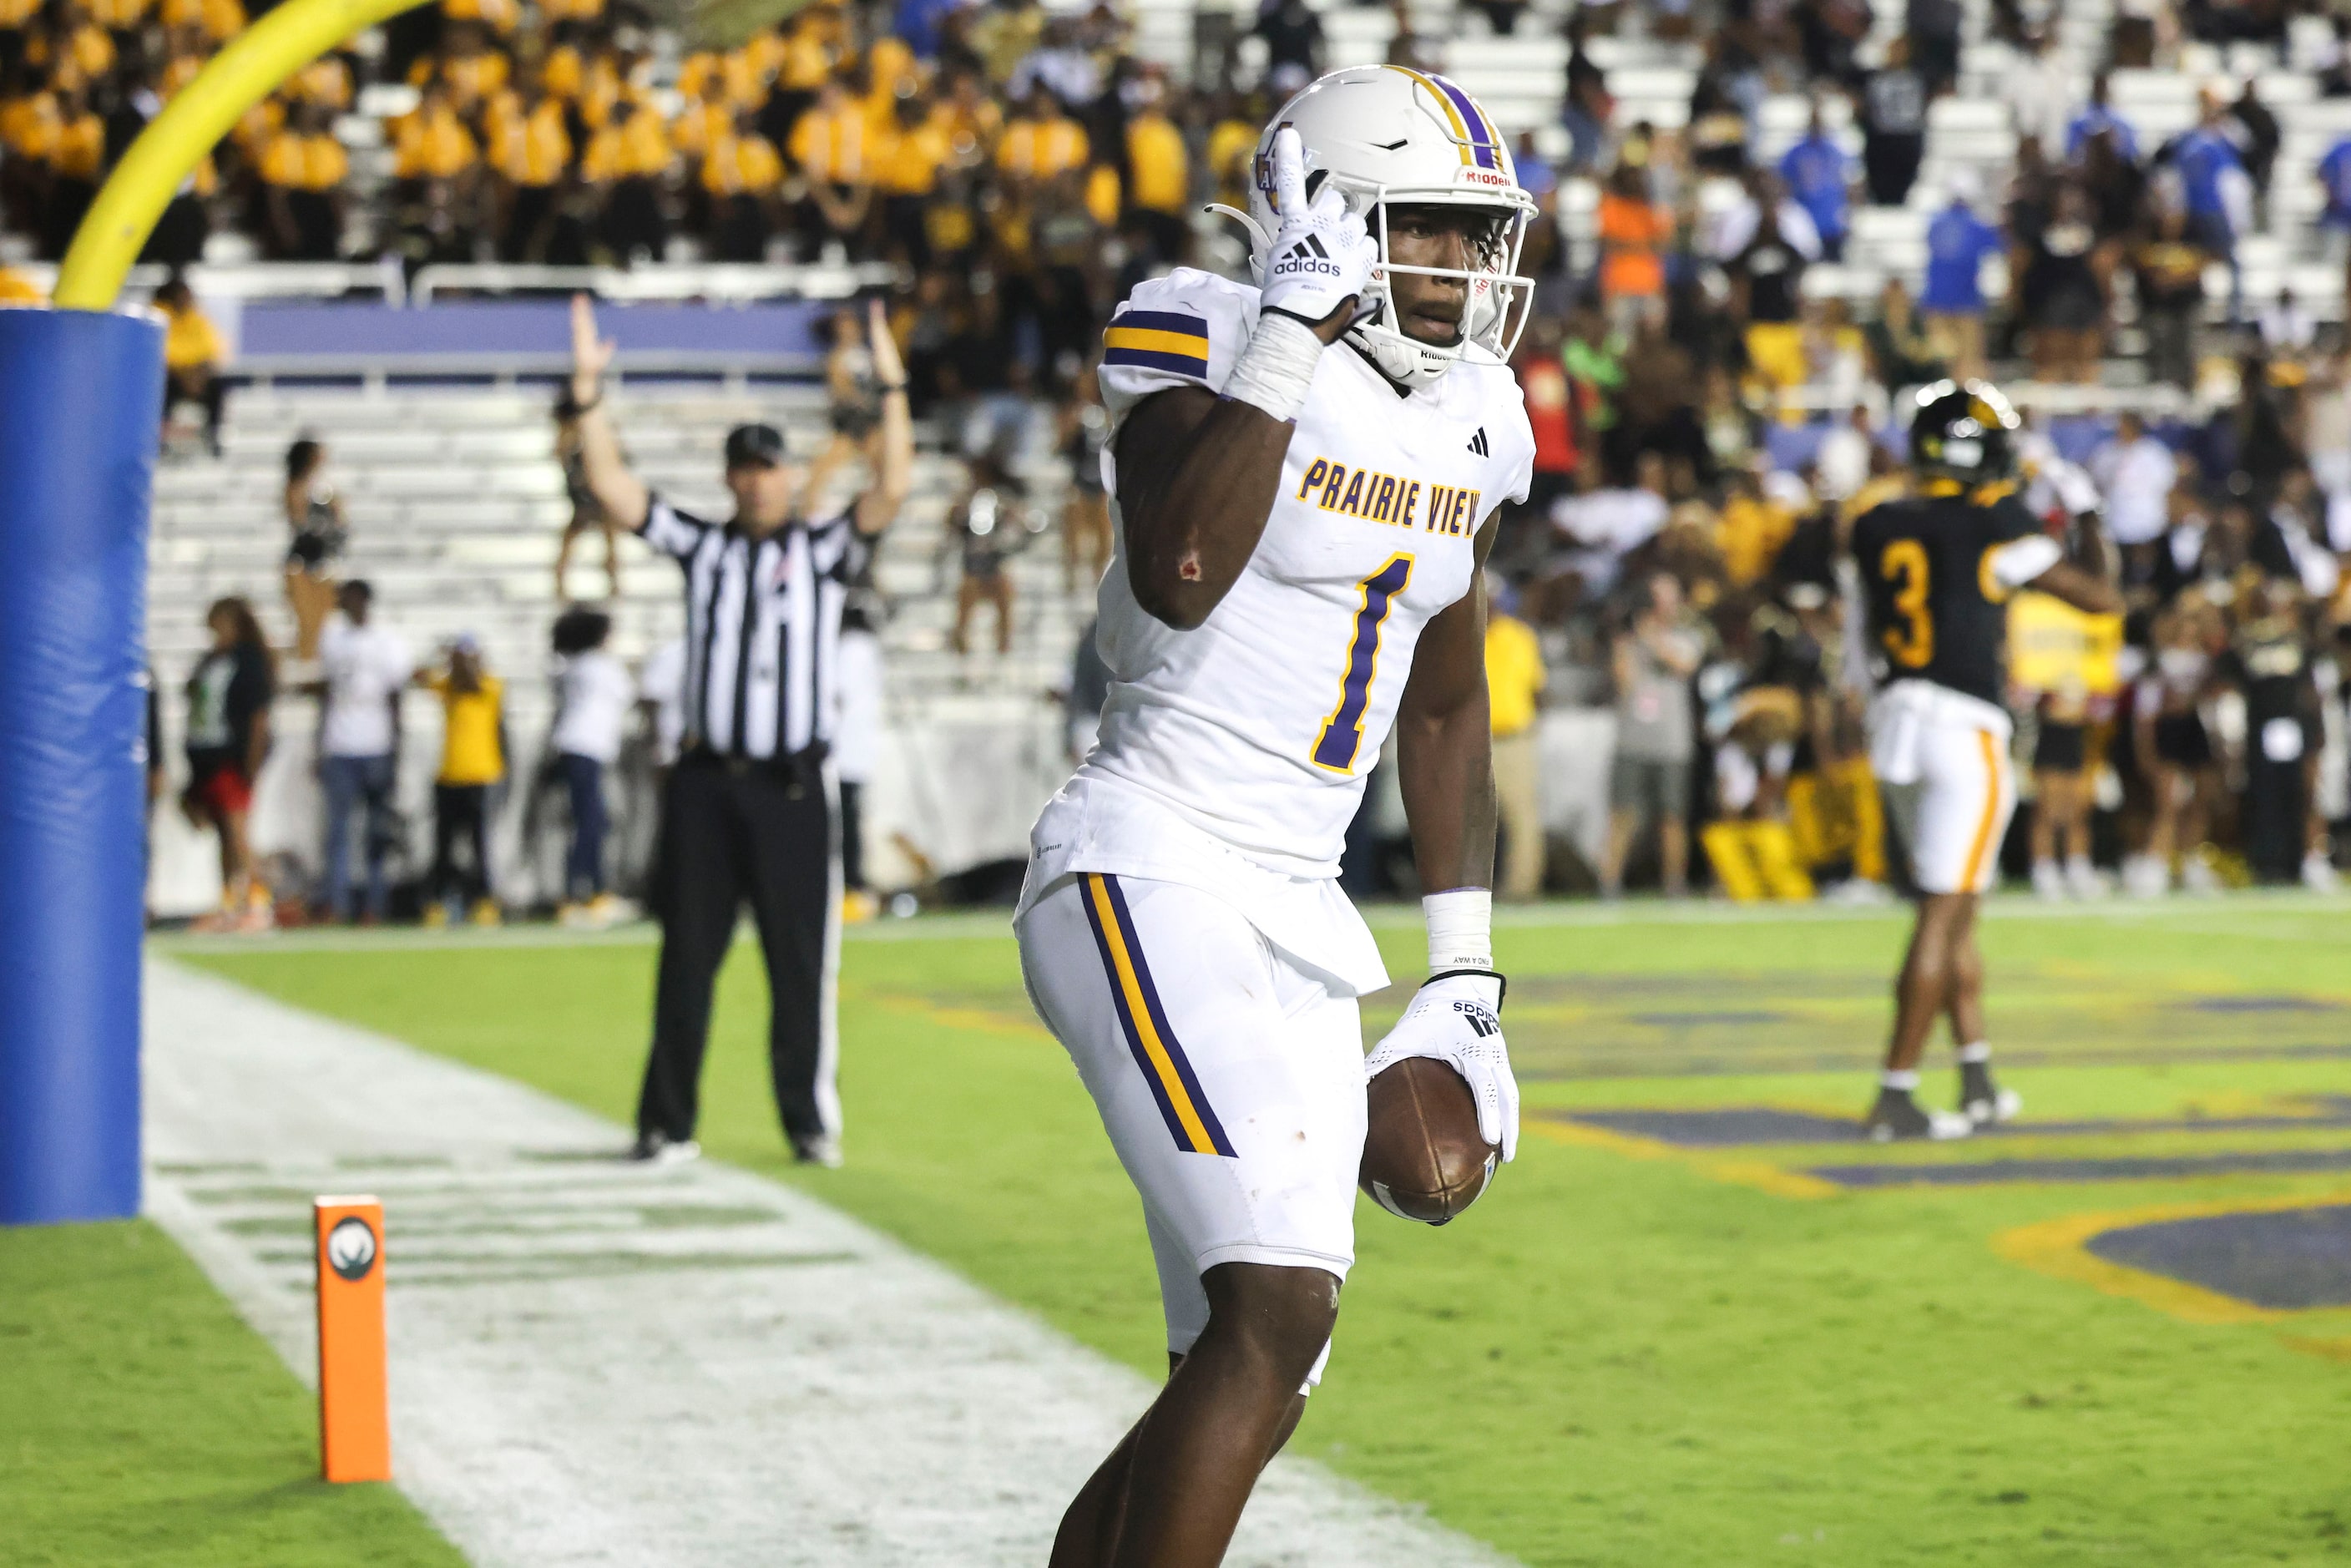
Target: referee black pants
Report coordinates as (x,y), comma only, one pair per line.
(732,830)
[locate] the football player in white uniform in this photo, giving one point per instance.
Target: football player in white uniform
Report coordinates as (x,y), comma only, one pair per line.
(1306,476)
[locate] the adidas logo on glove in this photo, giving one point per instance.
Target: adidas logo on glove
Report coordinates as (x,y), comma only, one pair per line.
(1482,1023)
(1306,259)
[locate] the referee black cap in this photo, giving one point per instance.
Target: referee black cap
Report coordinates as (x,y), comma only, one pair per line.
(755,445)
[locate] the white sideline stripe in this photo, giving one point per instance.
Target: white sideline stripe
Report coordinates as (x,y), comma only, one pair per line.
(829,1399)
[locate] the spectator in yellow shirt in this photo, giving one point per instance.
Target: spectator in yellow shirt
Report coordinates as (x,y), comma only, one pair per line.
(707,115)
(1514,683)
(592,84)
(468,67)
(194,355)
(432,143)
(1159,195)
(532,151)
(1751,529)
(831,147)
(302,173)
(831,142)
(891,74)
(189,56)
(327,80)
(1232,144)
(741,78)
(907,165)
(1104,193)
(565,71)
(1041,142)
(742,174)
(73,45)
(624,161)
(473,764)
(220,20)
(75,158)
(799,59)
(975,122)
(28,127)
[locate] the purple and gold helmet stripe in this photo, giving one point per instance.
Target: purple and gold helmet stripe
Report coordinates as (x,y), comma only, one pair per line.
(1471,129)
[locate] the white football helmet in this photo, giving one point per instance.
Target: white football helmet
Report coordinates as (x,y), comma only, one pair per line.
(1388,135)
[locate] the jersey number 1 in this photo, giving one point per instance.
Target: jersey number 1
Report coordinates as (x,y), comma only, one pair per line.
(1913,643)
(1343,732)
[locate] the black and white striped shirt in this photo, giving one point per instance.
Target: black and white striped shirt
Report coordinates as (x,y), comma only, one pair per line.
(762,629)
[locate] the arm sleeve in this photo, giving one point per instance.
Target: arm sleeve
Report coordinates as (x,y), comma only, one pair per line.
(2019,562)
(670,531)
(1188,329)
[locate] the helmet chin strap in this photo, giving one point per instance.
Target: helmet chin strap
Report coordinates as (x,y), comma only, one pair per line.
(1396,353)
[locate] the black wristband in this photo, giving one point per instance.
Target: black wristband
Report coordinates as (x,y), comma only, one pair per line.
(898,387)
(1499,979)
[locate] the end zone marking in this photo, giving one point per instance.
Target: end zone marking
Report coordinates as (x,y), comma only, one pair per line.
(1756,1174)
(2059,1248)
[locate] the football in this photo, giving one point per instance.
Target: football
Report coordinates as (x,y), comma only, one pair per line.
(1423,1156)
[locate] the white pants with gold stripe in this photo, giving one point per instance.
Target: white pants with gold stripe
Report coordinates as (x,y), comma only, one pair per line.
(1950,790)
(1231,1080)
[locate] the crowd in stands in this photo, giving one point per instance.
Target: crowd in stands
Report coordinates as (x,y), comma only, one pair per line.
(1678,557)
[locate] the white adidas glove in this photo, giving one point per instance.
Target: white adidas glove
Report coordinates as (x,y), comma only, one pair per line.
(1321,252)
(1457,1018)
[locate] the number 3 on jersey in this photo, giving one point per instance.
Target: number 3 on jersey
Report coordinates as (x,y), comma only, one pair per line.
(1913,644)
(1343,732)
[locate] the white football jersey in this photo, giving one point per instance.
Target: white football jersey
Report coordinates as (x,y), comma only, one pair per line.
(1257,729)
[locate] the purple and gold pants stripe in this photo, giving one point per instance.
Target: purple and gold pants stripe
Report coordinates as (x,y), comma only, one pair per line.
(1157,1050)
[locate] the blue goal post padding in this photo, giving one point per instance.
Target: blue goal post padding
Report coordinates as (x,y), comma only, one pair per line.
(80,410)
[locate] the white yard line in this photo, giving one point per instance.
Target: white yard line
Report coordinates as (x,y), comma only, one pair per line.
(594,1363)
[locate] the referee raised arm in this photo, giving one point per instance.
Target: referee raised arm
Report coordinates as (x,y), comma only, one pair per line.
(748,809)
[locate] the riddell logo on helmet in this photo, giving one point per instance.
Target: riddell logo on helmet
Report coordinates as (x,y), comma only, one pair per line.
(1479,177)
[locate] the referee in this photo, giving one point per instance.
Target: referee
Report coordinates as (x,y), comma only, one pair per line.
(749,811)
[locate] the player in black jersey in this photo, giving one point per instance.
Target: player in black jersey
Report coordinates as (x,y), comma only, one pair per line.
(1936,570)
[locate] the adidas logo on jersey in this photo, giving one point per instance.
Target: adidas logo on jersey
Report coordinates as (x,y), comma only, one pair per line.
(1304,257)
(1477,443)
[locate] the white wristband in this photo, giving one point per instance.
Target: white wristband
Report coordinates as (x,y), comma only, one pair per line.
(1274,371)
(1460,929)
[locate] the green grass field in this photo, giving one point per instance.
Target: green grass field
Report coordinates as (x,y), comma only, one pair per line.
(141,1422)
(1666,1337)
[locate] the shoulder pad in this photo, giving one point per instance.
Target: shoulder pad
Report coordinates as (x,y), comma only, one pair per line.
(1187,327)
